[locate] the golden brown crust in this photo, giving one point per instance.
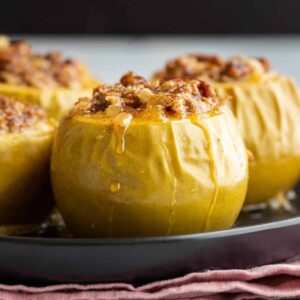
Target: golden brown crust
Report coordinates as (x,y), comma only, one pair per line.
(213,67)
(15,116)
(19,65)
(134,94)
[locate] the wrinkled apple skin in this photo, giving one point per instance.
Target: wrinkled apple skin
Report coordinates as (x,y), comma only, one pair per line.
(174,177)
(269,119)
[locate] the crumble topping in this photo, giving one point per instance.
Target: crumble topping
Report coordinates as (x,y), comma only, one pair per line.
(214,68)
(135,95)
(16,116)
(19,65)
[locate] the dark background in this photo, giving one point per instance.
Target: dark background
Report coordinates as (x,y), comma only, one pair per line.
(150,17)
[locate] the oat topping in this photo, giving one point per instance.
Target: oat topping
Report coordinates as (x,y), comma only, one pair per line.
(214,68)
(134,94)
(16,116)
(19,65)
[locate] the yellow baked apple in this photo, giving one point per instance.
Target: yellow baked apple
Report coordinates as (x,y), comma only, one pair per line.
(145,159)
(26,136)
(266,106)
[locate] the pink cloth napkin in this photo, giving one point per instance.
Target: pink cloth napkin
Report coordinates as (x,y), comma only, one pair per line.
(277,281)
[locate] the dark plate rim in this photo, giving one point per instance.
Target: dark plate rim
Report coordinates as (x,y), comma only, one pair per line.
(146,240)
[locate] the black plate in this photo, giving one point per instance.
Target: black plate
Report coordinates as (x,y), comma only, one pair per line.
(260,237)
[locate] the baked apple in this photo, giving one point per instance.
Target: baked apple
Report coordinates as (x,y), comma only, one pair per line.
(149,159)
(266,106)
(26,136)
(45,79)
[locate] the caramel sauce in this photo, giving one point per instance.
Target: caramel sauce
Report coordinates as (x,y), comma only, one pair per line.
(120,125)
(115,187)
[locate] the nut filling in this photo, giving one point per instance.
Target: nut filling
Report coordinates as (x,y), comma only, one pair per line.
(135,95)
(214,68)
(20,66)
(15,116)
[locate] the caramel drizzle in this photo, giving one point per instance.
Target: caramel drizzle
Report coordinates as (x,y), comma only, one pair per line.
(120,124)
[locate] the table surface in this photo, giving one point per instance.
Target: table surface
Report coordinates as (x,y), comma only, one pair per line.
(110,56)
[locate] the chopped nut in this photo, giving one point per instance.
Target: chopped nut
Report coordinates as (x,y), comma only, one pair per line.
(20,66)
(236,69)
(177,98)
(132,79)
(211,67)
(265,63)
(16,116)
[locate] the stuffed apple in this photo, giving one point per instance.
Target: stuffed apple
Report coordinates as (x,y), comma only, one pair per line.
(267,108)
(26,136)
(47,79)
(149,159)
